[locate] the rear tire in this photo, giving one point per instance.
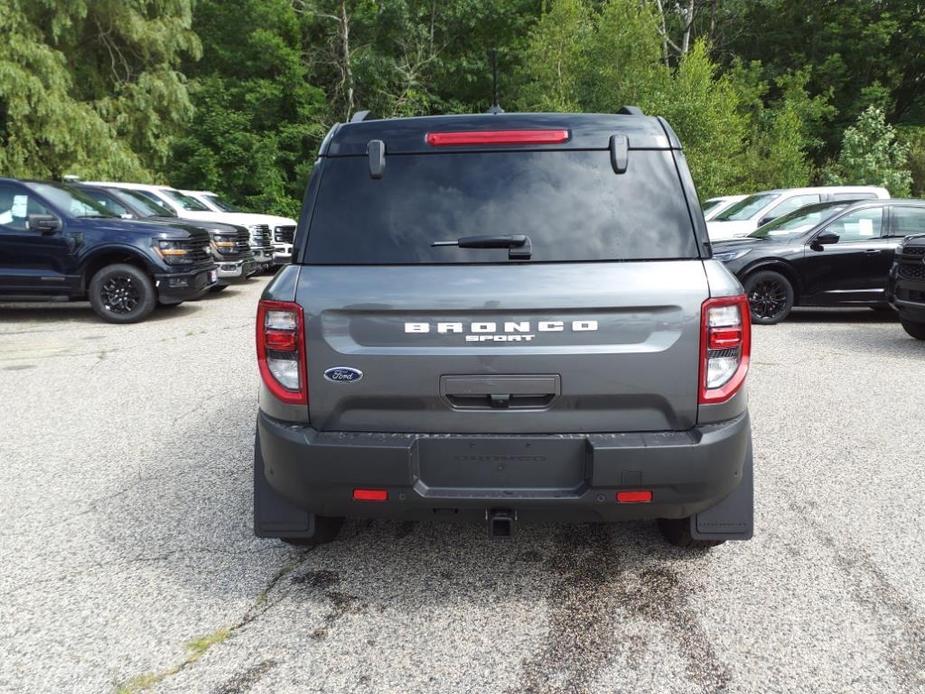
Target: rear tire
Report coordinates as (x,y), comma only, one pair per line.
(770,297)
(677,531)
(326,530)
(916,330)
(122,293)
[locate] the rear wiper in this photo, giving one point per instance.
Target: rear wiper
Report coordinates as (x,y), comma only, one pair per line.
(518,245)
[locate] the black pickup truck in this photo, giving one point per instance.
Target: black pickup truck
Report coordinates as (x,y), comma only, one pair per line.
(906,289)
(231,244)
(57,243)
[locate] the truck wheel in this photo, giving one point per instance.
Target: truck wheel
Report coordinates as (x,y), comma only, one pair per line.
(326,530)
(916,330)
(770,296)
(678,532)
(218,288)
(122,293)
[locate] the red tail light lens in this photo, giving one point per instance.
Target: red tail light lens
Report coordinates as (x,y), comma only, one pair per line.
(498,137)
(281,350)
(725,347)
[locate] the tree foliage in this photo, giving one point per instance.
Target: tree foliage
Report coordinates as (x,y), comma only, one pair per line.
(236,96)
(871,155)
(92,87)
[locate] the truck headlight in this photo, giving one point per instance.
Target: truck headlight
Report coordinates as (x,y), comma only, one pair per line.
(224,244)
(173,252)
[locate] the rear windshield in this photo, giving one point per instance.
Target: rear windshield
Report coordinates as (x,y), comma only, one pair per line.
(570,204)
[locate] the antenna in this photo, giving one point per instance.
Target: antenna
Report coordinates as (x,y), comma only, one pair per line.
(495,107)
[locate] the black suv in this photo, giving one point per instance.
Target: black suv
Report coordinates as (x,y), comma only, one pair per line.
(907,282)
(503,317)
(827,254)
(56,242)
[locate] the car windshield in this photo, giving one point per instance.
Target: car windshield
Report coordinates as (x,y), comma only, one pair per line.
(145,205)
(747,208)
(222,204)
(799,221)
(186,202)
(711,204)
(70,200)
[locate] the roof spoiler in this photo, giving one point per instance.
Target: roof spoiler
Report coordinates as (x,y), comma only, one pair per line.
(630,111)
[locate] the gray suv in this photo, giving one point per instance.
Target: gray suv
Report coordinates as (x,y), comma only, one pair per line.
(503,317)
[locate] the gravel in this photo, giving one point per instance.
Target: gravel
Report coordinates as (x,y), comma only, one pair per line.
(129,561)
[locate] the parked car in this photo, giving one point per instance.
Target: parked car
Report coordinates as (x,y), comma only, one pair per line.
(826,254)
(714,206)
(281,228)
(906,288)
(57,243)
(503,317)
(230,244)
(743,217)
(187,207)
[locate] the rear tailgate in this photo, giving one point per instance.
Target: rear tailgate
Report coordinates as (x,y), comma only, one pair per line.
(596,328)
(584,347)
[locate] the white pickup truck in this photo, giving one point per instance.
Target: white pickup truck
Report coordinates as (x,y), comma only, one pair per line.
(282,229)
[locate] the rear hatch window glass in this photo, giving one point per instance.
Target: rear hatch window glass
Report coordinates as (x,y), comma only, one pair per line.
(570,204)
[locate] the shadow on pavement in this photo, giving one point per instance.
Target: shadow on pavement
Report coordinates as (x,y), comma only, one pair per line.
(80,312)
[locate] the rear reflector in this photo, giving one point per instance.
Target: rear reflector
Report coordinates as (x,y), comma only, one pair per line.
(498,137)
(370,495)
(634,496)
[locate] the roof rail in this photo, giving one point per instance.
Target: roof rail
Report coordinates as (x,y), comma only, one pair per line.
(359,116)
(630,111)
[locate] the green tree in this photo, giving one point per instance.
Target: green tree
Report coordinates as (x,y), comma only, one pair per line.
(259,119)
(871,155)
(91,87)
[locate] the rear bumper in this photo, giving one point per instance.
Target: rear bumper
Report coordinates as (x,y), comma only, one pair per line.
(180,286)
(571,476)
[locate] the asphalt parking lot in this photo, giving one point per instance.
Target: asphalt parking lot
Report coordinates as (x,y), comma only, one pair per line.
(128,559)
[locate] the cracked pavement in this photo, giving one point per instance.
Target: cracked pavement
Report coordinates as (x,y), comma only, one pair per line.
(128,558)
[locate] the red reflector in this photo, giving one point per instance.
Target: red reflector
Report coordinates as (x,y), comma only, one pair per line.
(635,496)
(498,137)
(280,340)
(370,495)
(725,338)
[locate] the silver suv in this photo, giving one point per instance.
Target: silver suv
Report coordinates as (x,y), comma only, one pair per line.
(503,317)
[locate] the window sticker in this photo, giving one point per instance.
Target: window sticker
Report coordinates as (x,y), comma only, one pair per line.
(20,205)
(865,227)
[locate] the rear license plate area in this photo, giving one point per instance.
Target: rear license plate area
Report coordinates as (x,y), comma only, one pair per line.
(499,463)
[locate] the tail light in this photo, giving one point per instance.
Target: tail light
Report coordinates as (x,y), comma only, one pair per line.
(725,347)
(281,350)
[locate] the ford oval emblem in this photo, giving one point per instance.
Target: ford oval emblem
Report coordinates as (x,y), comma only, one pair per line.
(343,374)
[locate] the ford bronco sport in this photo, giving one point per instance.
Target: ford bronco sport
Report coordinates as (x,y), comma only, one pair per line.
(507,317)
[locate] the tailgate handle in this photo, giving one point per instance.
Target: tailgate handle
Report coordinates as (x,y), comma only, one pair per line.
(500,392)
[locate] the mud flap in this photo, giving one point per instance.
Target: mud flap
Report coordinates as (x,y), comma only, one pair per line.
(275,516)
(733,517)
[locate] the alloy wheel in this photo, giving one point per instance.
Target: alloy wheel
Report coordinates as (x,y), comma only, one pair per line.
(119,294)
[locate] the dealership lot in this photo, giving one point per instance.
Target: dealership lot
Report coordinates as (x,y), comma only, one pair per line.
(129,562)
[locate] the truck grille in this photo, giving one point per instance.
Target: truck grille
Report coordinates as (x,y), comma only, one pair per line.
(284,234)
(197,245)
(242,241)
(912,270)
(913,251)
(260,237)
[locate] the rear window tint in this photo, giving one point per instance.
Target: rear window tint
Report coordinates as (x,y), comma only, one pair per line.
(571,205)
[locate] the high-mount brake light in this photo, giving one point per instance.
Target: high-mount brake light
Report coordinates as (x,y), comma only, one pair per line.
(725,348)
(497,137)
(281,350)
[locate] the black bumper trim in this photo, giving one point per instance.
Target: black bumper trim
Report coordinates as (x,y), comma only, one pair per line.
(198,281)
(688,472)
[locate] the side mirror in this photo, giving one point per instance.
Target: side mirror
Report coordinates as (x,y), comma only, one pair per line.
(43,223)
(827,238)
(765,220)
